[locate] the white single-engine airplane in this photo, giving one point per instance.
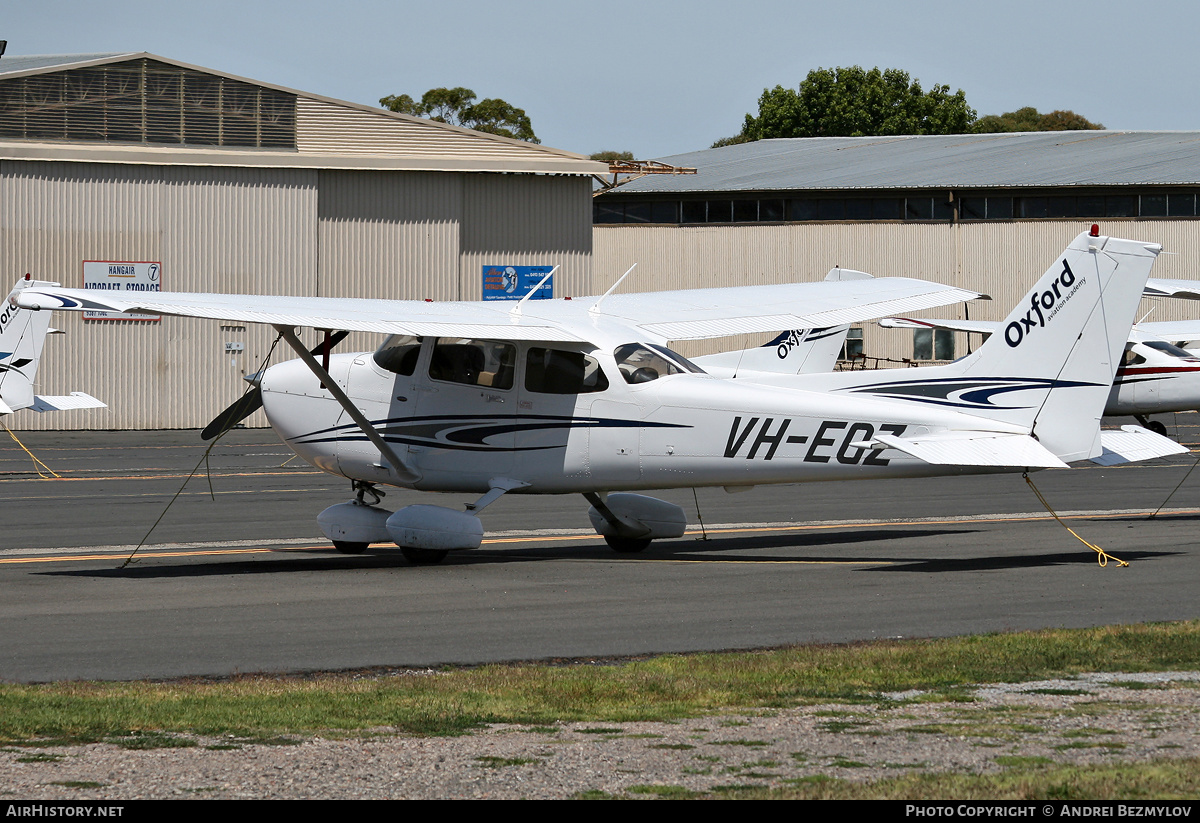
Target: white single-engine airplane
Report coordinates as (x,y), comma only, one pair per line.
(583,396)
(22,334)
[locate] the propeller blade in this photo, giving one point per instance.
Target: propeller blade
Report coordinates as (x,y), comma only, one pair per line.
(251,402)
(243,407)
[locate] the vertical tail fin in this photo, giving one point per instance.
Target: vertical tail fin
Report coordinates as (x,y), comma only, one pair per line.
(1050,366)
(22,333)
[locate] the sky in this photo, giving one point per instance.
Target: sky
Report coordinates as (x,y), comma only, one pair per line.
(658,77)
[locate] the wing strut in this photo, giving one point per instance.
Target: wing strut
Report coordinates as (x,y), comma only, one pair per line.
(404,472)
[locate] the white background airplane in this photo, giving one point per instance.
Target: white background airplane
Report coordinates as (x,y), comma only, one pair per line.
(583,396)
(22,335)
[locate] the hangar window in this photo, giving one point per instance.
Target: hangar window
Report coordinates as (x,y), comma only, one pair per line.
(745,211)
(146,101)
(1181,205)
(933,344)
(938,207)
(852,346)
(554,371)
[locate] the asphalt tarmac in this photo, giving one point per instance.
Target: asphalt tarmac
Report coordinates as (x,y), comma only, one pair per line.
(240,580)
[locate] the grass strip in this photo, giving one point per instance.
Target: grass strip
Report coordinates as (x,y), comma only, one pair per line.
(1160,780)
(455,701)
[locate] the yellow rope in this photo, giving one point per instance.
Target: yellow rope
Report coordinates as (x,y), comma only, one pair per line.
(36,462)
(1102,557)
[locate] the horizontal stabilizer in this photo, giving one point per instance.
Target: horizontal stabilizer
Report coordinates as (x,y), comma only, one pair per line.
(74,400)
(1133,443)
(975,448)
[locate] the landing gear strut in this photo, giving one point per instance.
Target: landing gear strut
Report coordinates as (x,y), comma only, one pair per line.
(1153,425)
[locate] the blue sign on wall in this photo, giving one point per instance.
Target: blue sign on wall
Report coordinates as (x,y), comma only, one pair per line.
(514,282)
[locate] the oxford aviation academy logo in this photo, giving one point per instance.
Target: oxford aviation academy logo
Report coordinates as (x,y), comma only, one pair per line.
(1043,307)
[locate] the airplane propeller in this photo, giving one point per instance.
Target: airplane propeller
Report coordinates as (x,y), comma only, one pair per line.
(252,401)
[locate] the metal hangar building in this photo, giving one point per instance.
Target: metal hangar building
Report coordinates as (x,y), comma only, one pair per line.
(988,212)
(232,185)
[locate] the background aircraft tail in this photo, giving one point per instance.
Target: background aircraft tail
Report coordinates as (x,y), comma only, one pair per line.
(1050,366)
(22,333)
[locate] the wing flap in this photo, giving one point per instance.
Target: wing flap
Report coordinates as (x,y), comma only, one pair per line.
(1134,443)
(975,448)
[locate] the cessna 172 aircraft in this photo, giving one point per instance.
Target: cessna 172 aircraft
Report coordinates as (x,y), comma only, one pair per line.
(22,334)
(583,396)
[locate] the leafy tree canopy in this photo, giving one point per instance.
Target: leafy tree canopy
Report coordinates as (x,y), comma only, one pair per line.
(1030,119)
(853,102)
(457,107)
(613,157)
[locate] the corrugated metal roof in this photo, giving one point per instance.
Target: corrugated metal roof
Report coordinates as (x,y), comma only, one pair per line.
(12,64)
(1010,160)
(330,134)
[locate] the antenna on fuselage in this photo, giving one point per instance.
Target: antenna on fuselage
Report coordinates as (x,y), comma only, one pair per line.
(515,311)
(595,307)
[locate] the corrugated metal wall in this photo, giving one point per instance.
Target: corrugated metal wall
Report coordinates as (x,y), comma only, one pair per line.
(388,234)
(527,220)
(1002,259)
(212,229)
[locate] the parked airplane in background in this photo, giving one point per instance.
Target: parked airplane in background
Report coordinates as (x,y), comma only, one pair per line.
(584,396)
(22,333)
(798,351)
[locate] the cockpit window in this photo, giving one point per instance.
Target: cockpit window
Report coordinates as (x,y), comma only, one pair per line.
(1167,348)
(473,362)
(1132,358)
(641,363)
(554,371)
(399,353)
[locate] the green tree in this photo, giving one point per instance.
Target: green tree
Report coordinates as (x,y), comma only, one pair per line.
(1030,119)
(457,107)
(853,102)
(613,157)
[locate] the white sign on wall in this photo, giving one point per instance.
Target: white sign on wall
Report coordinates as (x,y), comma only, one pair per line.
(111,275)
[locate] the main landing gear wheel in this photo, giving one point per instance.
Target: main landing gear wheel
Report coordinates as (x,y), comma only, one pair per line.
(424,557)
(346,547)
(1156,427)
(627,545)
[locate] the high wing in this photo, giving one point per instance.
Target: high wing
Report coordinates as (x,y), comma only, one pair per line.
(1185,330)
(1160,330)
(656,316)
(972,326)
(1183,289)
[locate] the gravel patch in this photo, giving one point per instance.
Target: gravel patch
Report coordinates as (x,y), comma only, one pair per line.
(1091,719)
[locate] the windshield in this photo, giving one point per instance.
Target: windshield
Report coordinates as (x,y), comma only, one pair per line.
(641,363)
(1173,351)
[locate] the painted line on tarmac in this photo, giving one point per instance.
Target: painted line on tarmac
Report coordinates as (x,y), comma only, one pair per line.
(520,536)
